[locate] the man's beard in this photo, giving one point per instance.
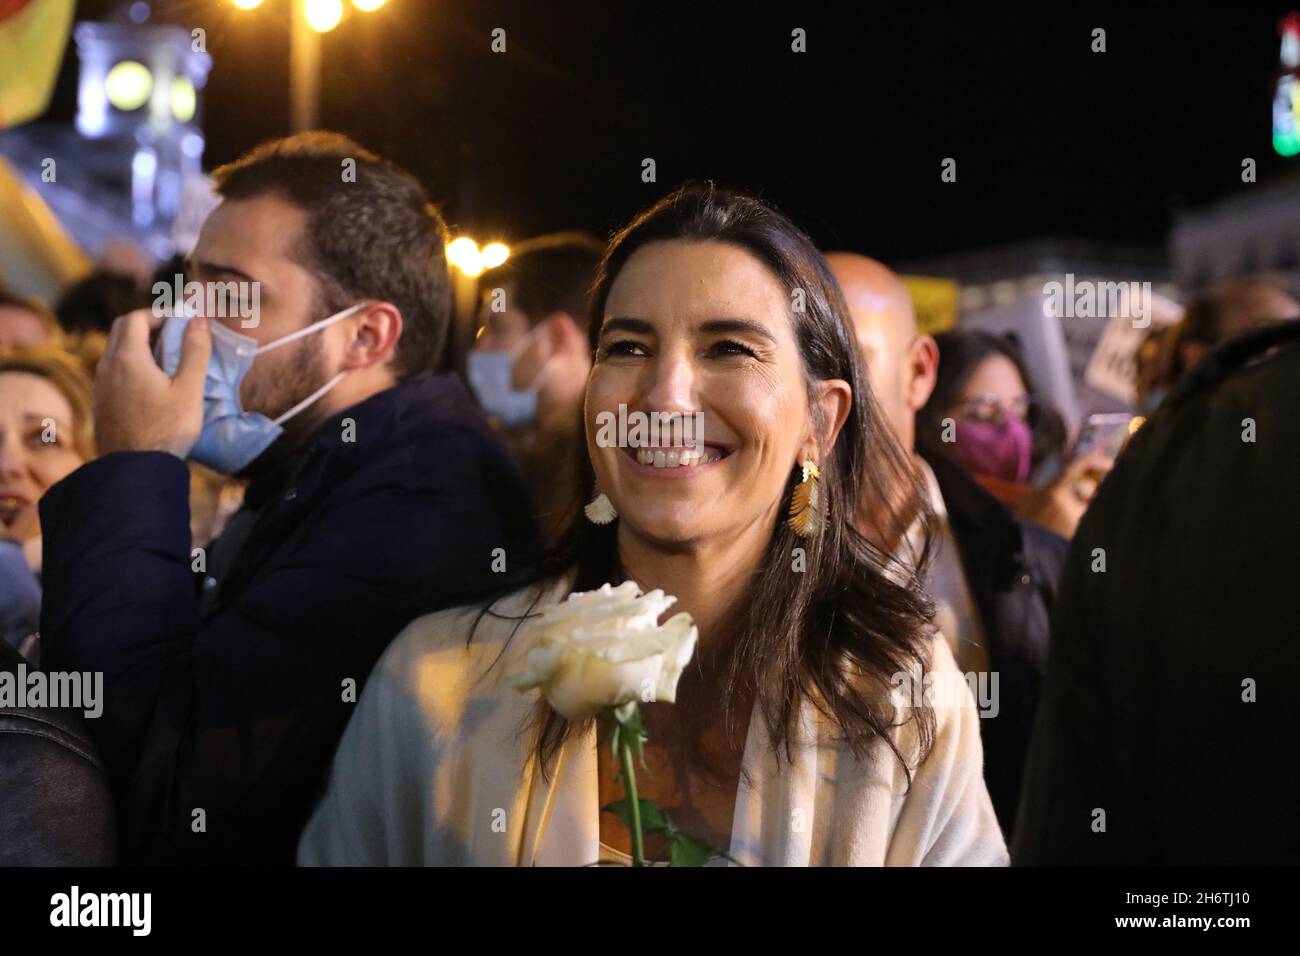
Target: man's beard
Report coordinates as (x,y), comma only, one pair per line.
(303,373)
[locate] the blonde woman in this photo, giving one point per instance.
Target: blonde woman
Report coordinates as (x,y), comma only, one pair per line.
(45,433)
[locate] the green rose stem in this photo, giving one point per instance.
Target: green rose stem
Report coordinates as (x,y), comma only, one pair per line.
(626,744)
(634,805)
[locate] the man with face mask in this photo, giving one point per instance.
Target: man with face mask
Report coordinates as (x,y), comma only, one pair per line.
(376,493)
(992,577)
(530,361)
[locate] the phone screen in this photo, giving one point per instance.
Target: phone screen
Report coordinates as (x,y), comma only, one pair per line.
(1108,432)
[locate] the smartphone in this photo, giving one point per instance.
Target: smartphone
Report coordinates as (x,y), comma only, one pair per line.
(1107,431)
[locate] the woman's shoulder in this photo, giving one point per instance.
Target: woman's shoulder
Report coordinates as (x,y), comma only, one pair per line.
(954,700)
(451,643)
(927,697)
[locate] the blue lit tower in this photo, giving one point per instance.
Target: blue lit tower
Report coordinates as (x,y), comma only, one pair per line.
(140,87)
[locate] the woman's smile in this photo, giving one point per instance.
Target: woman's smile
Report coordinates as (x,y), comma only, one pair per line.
(673,462)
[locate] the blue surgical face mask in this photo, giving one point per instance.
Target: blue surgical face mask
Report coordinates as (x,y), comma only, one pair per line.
(232,438)
(490,375)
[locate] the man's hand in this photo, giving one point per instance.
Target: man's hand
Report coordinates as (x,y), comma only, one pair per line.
(138,406)
(1060,505)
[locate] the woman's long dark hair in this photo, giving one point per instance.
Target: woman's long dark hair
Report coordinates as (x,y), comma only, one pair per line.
(839,630)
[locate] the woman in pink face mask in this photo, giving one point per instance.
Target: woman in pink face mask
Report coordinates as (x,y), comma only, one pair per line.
(993,435)
(983,414)
(981,411)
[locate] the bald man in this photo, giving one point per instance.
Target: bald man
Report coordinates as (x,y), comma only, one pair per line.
(993,577)
(900,363)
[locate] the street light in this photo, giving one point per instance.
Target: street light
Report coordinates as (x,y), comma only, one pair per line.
(464,254)
(310,19)
(494,254)
(323,15)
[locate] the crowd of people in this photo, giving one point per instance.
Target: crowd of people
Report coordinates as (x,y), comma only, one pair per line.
(303,552)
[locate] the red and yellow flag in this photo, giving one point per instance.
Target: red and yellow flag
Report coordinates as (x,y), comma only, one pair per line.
(33,36)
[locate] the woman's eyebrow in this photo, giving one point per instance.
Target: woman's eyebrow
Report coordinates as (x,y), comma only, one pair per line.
(708,327)
(40,417)
(627,324)
(735,326)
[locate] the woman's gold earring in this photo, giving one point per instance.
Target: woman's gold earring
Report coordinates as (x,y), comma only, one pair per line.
(806,504)
(600,510)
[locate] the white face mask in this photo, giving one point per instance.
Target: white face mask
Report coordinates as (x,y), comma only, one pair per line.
(490,375)
(232,438)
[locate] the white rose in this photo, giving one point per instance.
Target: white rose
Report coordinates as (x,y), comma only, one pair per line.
(605,648)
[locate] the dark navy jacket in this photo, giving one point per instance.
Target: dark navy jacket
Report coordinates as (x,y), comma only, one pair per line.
(221,716)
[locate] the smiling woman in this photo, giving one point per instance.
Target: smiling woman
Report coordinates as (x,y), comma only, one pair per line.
(45,433)
(783,744)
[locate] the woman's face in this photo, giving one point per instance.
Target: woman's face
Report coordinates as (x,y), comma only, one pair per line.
(995,387)
(698,327)
(36,450)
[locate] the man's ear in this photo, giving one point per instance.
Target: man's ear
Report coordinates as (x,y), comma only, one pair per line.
(375,331)
(835,397)
(923,371)
(563,334)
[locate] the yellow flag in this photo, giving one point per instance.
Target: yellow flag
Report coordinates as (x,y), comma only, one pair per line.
(33,36)
(935,301)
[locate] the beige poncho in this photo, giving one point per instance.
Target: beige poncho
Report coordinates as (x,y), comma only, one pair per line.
(436,768)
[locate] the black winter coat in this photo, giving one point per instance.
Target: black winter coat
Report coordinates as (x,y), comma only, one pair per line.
(223,710)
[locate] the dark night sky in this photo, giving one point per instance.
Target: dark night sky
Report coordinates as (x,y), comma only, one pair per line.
(1050,138)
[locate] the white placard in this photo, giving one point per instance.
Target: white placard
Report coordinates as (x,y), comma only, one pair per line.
(1112,367)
